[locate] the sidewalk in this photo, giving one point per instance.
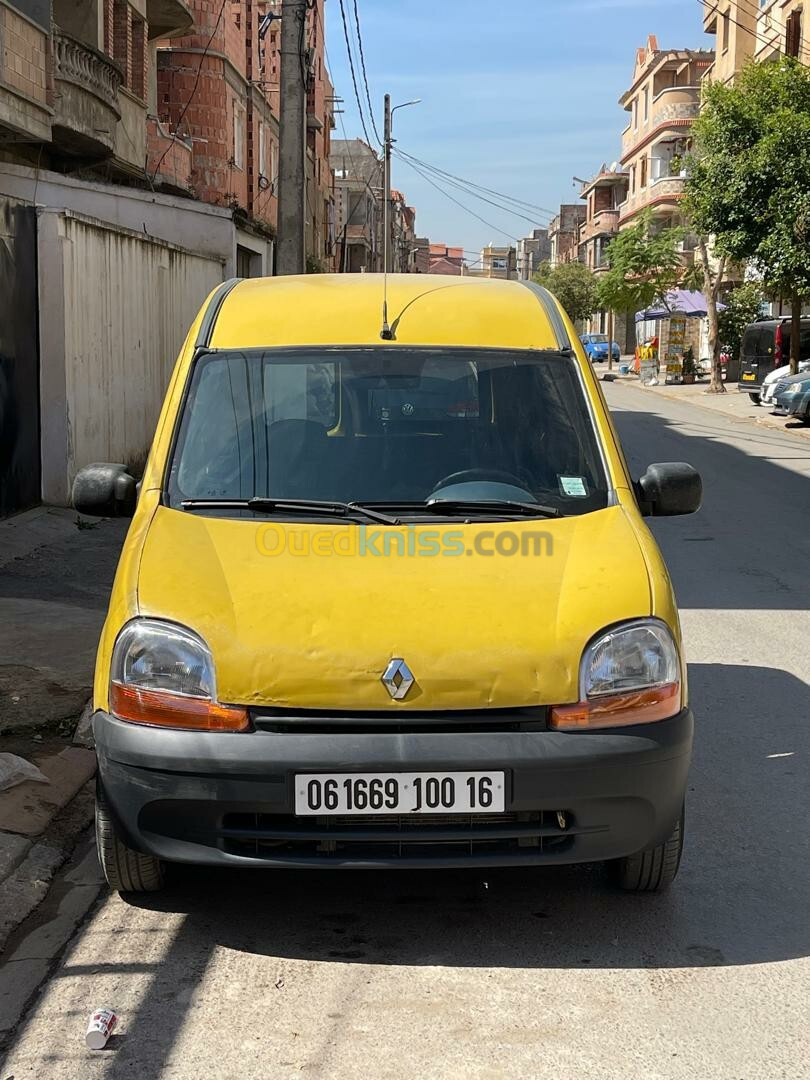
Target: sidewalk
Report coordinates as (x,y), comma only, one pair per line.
(55,577)
(733,404)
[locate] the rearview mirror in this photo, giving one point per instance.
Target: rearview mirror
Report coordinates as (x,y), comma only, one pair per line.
(668,489)
(104,490)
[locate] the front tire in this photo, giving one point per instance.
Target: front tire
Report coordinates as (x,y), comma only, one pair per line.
(756,398)
(653,870)
(126,870)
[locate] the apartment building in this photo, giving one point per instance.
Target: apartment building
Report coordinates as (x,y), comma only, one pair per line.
(563,233)
(782,28)
(358,171)
(603,195)
(496,261)
(663,101)
(532,250)
(733,24)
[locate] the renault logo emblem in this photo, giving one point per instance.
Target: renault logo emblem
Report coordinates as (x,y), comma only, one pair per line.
(397,679)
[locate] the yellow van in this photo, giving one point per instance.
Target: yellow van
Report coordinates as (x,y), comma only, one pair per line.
(387,598)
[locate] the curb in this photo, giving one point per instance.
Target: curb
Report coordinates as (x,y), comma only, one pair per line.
(764,421)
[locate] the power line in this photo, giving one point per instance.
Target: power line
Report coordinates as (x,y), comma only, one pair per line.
(452,198)
(365,76)
(479,187)
(469,191)
(351,68)
(193,89)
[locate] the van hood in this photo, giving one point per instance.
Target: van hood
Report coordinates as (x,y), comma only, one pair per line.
(316,631)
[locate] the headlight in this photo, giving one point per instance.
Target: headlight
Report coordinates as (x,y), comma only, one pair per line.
(163,674)
(628,675)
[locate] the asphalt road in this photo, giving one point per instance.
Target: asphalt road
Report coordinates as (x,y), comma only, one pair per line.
(530,974)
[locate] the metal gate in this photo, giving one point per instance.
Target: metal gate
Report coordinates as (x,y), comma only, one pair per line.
(19,359)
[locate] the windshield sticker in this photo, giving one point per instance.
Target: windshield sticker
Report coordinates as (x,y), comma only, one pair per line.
(574,486)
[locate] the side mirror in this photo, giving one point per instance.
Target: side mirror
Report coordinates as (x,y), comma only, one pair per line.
(668,489)
(104,490)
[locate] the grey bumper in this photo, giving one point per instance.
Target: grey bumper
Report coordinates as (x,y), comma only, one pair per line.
(224,798)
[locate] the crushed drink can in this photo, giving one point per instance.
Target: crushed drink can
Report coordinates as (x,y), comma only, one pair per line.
(100,1028)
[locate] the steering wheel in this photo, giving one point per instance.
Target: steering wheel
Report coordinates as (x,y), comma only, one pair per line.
(498,476)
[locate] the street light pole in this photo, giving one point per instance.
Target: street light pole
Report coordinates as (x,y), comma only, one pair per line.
(387,184)
(387,141)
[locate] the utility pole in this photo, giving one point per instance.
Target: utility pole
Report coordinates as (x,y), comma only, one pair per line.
(387,186)
(292,140)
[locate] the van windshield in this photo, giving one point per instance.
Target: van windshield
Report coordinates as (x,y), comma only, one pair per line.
(387,425)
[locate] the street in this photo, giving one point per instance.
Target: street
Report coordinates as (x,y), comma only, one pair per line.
(514,973)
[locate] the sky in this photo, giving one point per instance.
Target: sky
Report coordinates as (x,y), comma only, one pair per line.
(518,96)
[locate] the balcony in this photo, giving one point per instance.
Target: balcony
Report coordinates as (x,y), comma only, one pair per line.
(86,109)
(167,18)
(674,107)
(603,223)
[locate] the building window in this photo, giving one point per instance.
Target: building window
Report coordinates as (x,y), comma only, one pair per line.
(726,30)
(635,114)
(646,104)
(793,34)
(643,181)
(272,174)
(261,150)
(238,136)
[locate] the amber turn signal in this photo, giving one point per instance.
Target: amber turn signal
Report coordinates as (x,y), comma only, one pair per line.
(618,710)
(164,709)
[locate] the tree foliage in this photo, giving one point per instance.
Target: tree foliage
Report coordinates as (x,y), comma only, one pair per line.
(749,177)
(644,265)
(743,306)
(574,286)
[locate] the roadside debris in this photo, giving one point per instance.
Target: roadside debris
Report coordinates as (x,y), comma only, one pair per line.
(99,1028)
(15,770)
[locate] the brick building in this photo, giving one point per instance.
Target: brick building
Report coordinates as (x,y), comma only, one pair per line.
(446,260)
(531,252)
(563,233)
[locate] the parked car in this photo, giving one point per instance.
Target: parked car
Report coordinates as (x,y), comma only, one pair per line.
(596,347)
(295,670)
(766,347)
(770,382)
(792,396)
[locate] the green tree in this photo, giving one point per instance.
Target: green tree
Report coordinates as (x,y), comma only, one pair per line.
(743,306)
(644,265)
(574,286)
(749,177)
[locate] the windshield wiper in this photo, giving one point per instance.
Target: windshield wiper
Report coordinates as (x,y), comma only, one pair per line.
(472,506)
(261,504)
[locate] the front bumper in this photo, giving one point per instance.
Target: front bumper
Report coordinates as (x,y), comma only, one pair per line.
(749,387)
(227,799)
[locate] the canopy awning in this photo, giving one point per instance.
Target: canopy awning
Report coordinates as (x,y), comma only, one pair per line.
(679,302)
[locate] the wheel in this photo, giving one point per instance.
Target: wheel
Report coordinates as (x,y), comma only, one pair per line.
(756,398)
(655,869)
(126,870)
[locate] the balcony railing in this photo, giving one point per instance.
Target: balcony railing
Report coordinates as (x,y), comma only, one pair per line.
(87,68)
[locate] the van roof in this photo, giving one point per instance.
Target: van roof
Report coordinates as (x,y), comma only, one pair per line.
(347,309)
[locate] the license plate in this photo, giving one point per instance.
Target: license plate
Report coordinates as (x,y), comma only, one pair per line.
(748,376)
(399,793)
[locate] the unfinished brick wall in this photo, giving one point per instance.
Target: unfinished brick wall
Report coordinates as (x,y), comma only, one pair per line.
(23,60)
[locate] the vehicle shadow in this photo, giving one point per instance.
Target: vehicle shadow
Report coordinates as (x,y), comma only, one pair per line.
(740,897)
(749,545)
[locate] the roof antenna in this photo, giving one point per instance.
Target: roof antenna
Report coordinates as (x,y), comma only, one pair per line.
(387,334)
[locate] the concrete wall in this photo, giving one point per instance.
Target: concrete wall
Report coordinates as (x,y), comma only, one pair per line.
(115,306)
(193,225)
